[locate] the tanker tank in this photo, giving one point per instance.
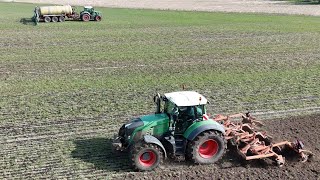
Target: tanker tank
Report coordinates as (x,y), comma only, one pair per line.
(55,10)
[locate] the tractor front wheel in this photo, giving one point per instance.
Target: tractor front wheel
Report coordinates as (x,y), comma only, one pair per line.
(206,148)
(85,17)
(146,156)
(97,18)
(47,19)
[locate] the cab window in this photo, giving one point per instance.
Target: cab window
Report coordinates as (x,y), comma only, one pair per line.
(168,107)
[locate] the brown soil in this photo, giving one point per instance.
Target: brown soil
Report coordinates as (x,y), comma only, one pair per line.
(230,167)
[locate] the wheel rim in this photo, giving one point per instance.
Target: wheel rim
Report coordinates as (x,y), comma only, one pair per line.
(147,159)
(98,18)
(47,19)
(86,17)
(61,19)
(208,149)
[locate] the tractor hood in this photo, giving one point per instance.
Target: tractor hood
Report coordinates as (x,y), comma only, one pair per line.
(154,118)
(144,121)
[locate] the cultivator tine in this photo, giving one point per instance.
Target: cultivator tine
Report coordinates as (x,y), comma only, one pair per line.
(249,119)
(280,160)
(305,155)
(255,144)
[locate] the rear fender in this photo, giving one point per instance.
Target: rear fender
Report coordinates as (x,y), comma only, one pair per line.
(154,140)
(195,129)
(84,12)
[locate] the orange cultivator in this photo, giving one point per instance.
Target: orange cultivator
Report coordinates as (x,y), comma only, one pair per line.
(252,144)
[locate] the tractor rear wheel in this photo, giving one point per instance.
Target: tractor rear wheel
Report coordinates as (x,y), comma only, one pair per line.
(47,19)
(146,156)
(61,19)
(97,18)
(206,148)
(54,19)
(85,17)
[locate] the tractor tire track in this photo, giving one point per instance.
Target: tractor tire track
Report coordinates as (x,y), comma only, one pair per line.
(55,136)
(108,67)
(88,127)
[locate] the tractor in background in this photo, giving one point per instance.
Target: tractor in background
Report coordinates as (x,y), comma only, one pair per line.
(89,14)
(61,13)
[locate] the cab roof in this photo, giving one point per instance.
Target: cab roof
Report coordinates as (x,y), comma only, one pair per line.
(186,98)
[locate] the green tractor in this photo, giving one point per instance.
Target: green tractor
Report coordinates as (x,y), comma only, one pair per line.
(179,127)
(89,13)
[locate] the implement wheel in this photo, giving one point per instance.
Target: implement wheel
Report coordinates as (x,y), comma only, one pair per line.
(61,19)
(85,17)
(146,157)
(206,148)
(47,19)
(54,19)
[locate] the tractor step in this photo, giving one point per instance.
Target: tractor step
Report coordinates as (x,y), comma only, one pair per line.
(175,144)
(180,145)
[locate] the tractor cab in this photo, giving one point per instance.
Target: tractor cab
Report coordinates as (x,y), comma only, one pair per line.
(89,9)
(89,14)
(183,108)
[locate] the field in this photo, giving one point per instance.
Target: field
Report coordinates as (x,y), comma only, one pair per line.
(66,88)
(302,7)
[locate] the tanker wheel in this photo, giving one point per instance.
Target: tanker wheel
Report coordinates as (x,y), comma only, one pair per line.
(85,17)
(47,19)
(146,156)
(54,19)
(97,18)
(61,19)
(206,148)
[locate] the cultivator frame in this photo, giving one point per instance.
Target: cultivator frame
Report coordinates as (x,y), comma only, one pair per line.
(249,143)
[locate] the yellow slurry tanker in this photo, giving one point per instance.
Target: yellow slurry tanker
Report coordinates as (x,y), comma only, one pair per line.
(61,13)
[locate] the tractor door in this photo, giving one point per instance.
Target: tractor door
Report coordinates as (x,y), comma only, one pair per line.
(187,116)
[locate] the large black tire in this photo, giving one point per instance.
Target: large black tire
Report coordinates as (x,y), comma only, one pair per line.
(54,19)
(146,156)
(61,19)
(85,17)
(206,148)
(47,19)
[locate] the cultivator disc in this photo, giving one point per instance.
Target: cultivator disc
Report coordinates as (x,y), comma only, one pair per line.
(250,143)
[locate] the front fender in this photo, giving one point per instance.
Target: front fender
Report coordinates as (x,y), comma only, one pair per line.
(154,140)
(195,129)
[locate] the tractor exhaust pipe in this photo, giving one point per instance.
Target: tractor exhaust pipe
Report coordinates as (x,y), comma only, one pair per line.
(156,100)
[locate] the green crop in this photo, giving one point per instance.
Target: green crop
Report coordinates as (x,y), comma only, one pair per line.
(66,88)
